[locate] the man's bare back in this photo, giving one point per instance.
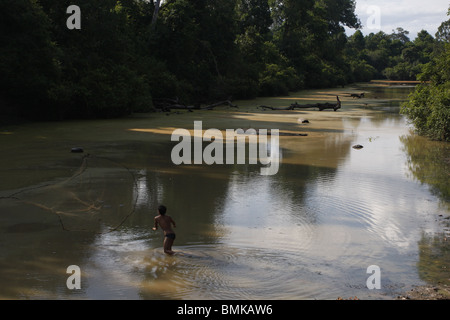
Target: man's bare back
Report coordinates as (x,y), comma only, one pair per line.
(165,222)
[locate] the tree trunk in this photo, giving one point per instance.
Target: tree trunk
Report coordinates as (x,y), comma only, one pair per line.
(155,13)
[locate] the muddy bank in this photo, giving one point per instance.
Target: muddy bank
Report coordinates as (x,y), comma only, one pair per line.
(427,292)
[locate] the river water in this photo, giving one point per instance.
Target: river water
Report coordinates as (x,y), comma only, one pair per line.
(308,232)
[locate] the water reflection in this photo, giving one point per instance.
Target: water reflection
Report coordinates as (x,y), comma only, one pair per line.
(140,192)
(434,261)
(429,162)
(251,248)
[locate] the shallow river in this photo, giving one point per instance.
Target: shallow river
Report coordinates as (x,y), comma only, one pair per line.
(310,231)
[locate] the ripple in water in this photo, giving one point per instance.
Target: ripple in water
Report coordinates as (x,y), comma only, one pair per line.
(220,272)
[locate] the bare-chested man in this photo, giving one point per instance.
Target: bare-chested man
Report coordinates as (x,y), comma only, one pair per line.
(165,222)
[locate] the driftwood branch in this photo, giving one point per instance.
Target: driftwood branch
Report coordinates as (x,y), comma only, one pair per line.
(320,106)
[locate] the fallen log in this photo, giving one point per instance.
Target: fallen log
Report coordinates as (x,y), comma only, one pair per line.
(275,108)
(320,106)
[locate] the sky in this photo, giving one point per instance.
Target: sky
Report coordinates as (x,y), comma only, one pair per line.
(411,15)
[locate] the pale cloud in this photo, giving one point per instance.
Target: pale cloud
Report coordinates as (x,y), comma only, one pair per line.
(411,15)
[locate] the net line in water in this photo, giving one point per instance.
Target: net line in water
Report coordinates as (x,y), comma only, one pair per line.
(101,193)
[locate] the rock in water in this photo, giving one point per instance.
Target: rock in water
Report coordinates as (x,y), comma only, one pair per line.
(76,150)
(357,146)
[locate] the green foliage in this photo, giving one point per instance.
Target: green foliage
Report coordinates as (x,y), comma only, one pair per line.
(276,80)
(361,71)
(428,107)
(403,71)
(310,34)
(28,64)
(443,33)
(392,56)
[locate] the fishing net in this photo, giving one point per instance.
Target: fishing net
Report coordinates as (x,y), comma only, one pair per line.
(99,197)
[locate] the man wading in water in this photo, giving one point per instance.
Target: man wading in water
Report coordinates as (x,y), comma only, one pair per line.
(165,222)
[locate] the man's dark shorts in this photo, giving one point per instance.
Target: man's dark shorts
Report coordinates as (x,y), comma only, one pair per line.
(171,236)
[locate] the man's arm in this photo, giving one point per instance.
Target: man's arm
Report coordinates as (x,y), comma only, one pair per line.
(173,222)
(155,225)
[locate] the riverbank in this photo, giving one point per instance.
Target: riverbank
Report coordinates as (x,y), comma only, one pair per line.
(397,82)
(428,292)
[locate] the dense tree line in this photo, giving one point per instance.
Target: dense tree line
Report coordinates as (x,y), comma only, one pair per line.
(130,53)
(428,106)
(392,56)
